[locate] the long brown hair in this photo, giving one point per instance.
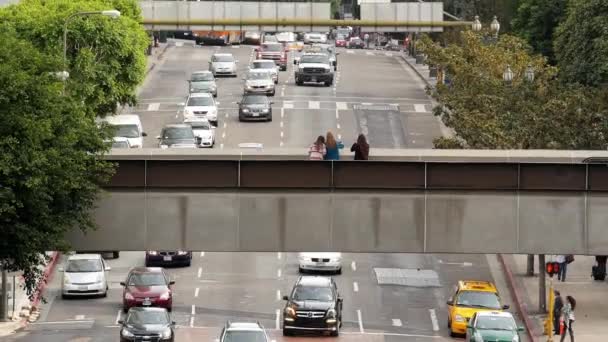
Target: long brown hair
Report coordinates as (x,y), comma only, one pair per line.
(330,141)
(320,141)
(363,145)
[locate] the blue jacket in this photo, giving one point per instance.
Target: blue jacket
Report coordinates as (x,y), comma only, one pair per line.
(334,153)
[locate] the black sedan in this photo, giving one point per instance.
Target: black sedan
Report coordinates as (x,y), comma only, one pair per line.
(147,324)
(255,108)
(168,258)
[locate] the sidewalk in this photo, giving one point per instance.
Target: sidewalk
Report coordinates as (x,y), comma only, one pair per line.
(422,70)
(591,297)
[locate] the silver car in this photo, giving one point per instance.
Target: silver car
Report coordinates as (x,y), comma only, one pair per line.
(269,65)
(259,81)
(223,64)
(84,275)
(320,262)
(203,82)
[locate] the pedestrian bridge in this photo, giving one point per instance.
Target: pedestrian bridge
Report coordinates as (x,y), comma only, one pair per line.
(411,201)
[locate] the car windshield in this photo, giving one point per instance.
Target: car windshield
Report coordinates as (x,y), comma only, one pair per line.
(314,59)
(255,99)
(203,76)
(177,133)
(273,47)
(223,58)
(146,279)
(264,65)
(89,265)
(199,125)
(478,299)
(120,144)
(137,317)
(495,323)
(244,336)
(270,39)
(202,101)
(258,76)
(126,131)
(321,294)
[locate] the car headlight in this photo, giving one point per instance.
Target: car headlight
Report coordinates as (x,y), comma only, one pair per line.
(182,252)
(249,86)
(459,318)
(129,296)
(338,259)
(165,296)
(166,334)
(187,112)
(331,313)
(265,110)
(152,252)
(164,146)
(245,110)
(126,333)
(66,280)
(290,312)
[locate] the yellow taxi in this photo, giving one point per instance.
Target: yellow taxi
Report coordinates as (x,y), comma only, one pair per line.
(470,297)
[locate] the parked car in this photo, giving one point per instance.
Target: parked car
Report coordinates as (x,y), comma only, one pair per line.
(147,287)
(323,262)
(168,258)
(177,136)
(203,130)
(203,82)
(314,305)
(147,324)
(85,275)
(355,43)
(223,64)
(255,108)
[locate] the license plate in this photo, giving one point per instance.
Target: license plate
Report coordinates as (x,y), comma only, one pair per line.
(167,258)
(314,79)
(255,114)
(83,288)
(146,302)
(320,263)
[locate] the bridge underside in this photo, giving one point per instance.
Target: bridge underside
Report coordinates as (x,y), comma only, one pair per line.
(405,221)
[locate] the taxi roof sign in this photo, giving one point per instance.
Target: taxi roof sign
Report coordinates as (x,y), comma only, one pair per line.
(478,285)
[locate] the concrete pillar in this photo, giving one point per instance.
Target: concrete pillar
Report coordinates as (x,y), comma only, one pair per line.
(530,268)
(542,291)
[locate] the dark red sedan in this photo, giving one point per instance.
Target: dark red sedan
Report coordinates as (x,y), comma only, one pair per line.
(340,41)
(147,287)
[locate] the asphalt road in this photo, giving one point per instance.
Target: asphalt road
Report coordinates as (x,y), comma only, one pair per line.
(374,92)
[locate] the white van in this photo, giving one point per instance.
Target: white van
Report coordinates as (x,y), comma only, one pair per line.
(127,126)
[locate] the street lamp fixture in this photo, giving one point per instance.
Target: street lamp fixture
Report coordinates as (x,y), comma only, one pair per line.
(476,24)
(529,74)
(507,76)
(495,26)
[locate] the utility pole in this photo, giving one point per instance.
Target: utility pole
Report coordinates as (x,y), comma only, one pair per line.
(542,291)
(4,296)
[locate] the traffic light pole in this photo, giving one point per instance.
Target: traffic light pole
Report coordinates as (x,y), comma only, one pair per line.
(4,296)
(542,291)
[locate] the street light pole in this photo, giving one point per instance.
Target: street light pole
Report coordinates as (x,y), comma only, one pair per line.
(4,295)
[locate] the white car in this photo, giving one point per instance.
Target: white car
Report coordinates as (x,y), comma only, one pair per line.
(120,142)
(312,38)
(269,65)
(127,126)
(259,81)
(322,262)
(223,64)
(201,105)
(84,275)
(203,130)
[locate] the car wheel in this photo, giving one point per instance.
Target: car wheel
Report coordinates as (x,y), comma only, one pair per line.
(125,310)
(328,84)
(115,255)
(64,296)
(339,271)
(189,262)
(452,333)
(449,324)
(270,118)
(287,332)
(170,309)
(273,92)
(298,82)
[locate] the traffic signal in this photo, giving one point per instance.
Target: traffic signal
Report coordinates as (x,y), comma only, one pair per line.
(552,268)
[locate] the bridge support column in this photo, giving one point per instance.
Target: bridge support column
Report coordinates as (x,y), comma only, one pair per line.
(530,268)
(542,291)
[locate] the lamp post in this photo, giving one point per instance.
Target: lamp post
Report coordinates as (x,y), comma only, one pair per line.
(507,75)
(495,26)
(529,74)
(108,13)
(476,24)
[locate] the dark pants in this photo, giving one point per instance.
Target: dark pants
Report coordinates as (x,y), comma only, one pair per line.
(556,317)
(568,329)
(561,275)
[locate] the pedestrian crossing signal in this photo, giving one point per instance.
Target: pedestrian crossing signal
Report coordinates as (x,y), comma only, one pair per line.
(552,268)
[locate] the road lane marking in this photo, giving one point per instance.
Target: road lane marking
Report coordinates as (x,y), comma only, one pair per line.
(287,105)
(79,317)
(202,254)
(281,124)
(282,112)
(225,124)
(353,266)
(339,136)
(192,322)
(388,54)
(63,322)
(434,319)
(397,322)
(223,135)
(419,108)
(277,323)
(369,53)
(196,292)
(350,51)
(179,44)
(281,134)
(235,46)
(193,309)
(314,105)
(464,264)
(117,317)
(341,106)
(281,144)
(338,125)
(278,294)
(222,146)
(279,254)
(226,114)
(337,114)
(200,272)
(153,106)
(279,273)
(355,287)
(361,330)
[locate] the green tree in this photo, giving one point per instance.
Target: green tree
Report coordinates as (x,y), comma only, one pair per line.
(106,57)
(486,113)
(536,21)
(50,165)
(485,9)
(581,43)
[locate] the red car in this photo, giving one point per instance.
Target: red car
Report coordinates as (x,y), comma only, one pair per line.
(147,286)
(275,52)
(340,41)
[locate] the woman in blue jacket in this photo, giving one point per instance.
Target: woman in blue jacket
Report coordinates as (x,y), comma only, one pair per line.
(333,147)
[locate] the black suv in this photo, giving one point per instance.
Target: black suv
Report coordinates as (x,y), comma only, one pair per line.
(255,107)
(314,305)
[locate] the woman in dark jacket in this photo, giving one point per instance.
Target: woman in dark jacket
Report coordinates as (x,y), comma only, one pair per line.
(361,148)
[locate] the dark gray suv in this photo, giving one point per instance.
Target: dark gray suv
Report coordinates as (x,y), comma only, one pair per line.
(255,108)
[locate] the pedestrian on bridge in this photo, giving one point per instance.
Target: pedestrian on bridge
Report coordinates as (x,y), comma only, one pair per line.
(568,315)
(317,150)
(557,312)
(361,148)
(333,147)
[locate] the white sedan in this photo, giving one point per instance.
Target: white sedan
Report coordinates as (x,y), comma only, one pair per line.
(203,130)
(323,261)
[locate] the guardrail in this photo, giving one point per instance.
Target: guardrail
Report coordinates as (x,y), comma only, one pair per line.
(394,170)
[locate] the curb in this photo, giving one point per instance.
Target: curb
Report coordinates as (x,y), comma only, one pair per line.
(516,295)
(46,277)
(428,84)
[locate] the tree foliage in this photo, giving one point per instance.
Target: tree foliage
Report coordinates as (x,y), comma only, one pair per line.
(536,22)
(486,113)
(581,43)
(106,57)
(485,9)
(49,163)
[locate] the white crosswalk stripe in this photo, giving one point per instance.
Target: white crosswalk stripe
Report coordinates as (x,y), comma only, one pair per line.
(287,104)
(341,106)
(153,106)
(420,108)
(314,105)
